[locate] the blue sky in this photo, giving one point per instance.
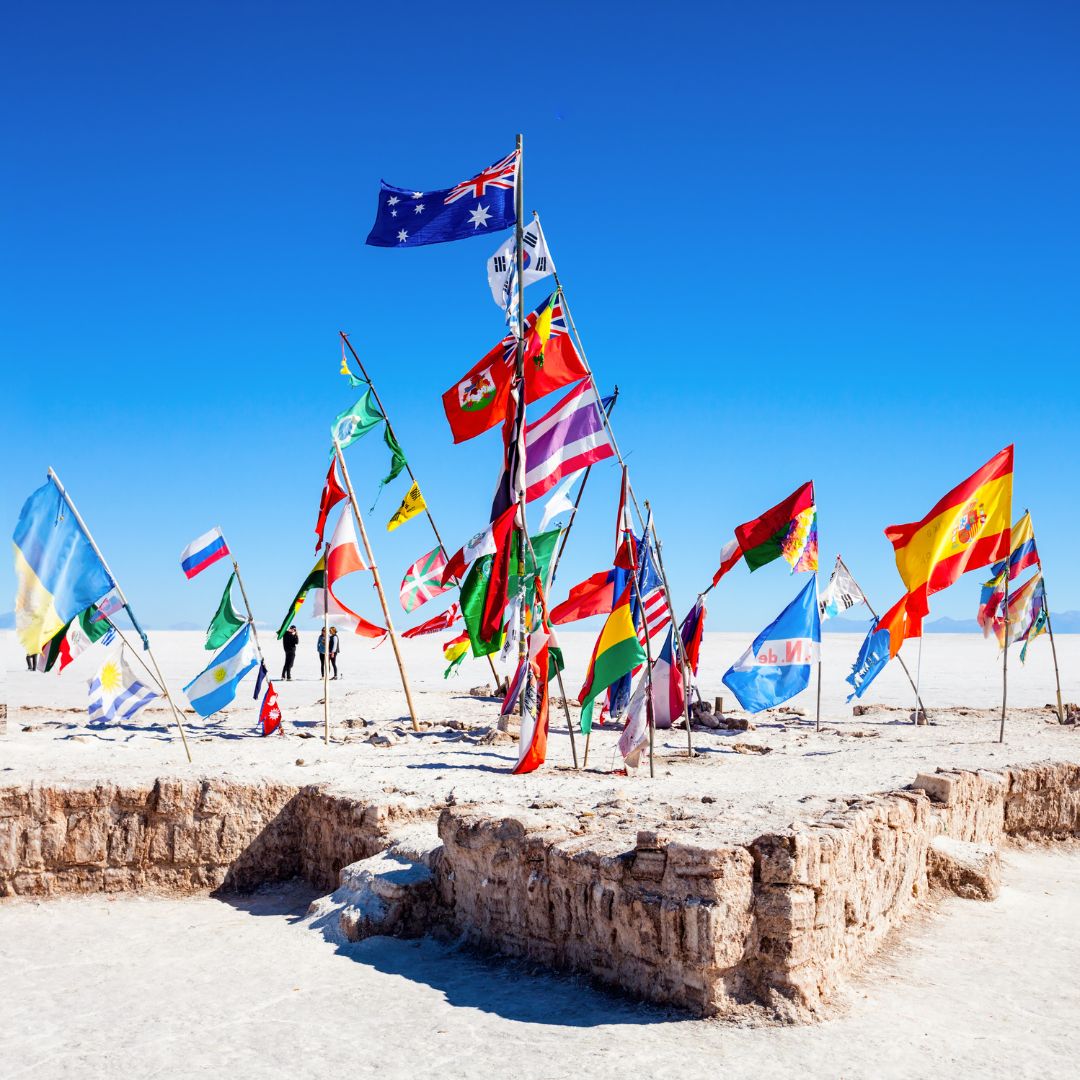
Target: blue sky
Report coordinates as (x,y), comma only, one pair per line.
(832,241)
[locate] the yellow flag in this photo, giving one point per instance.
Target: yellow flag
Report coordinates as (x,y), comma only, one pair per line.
(410,506)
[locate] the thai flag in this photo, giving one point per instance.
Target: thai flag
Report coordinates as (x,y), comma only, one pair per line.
(203,552)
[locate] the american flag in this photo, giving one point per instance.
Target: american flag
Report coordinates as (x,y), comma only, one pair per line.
(657,616)
(503,174)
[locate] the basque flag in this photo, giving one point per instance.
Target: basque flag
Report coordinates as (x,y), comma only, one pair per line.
(203,552)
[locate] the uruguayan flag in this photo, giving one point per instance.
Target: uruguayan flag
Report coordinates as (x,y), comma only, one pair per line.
(115,691)
(215,687)
(777,666)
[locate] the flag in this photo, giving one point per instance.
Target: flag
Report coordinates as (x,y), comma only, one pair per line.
(332,494)
(203,552)
(616,653)
(692,631)
(841,594)
(624,521)
(226,621)
(777,666)
(73,640)
(511,485)
(423,580)
(593,596)
(454,652)
(967,528)
(481,205)
(1024,553)
(532,740)
(355,422)
(58,572)
(397,457)
(442,621)
(482,567)
(354,380)
(480,399)
(259,676)
(538,334)
(115,691)
(1024,606)
(342,558)
(568,438)
(730,554)
(668,702)
(537,559)
(874,654)
(656,614)
(559,503)
(410,506)
(501,266)
(109,605)
(270,712)
(316,579)
(653,601)
(1039,620)
(215,686)
(789,529)
(991,597)
(903,620)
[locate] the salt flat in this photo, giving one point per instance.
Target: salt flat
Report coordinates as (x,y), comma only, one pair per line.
(103,987)
(748,792)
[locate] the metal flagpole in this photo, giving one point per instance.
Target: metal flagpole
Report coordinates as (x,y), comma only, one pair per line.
(127,607)
(408,467)
(378,585)
(873,614)
(1005,652)
(577,500)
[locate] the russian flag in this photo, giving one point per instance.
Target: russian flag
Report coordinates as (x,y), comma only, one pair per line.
(203,552)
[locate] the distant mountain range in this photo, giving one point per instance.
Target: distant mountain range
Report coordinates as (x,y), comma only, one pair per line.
(1065,622)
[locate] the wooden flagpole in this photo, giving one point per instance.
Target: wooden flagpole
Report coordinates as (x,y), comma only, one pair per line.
(378,585)
(326,655)
(127,607)
(1050,631)
(649,718)
(1005,653)
(519,373)
(254,632)
(873,614)
(408,467)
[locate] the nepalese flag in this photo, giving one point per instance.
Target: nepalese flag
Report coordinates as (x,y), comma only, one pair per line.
(481,398)
(215,686)
(58,572)
(570,437)
(968,528)
(115,691)
(788,529)
(778,664)
(668,703)
(474,207)
(270,711)
(1024,552)
(202,552)
(442,621)
(423,580)
(535,256)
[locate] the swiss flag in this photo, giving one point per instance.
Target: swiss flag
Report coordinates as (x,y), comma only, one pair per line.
(270,714)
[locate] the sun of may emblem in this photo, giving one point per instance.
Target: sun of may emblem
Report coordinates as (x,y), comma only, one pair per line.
(970,524)
(219,675)
(110,676)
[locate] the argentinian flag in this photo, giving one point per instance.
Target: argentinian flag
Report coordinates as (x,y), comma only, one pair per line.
(215,687)
(777,666)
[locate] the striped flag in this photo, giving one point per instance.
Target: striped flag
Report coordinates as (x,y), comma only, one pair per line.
(657,615)
(567,439)
(115,692)
(202,552)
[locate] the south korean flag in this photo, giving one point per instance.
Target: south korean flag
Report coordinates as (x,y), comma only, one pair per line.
(501,269)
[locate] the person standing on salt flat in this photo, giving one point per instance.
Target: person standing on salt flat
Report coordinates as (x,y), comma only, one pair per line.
(335,648)
(289,643)
(321,646)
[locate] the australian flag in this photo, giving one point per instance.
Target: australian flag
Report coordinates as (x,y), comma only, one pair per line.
(474,207)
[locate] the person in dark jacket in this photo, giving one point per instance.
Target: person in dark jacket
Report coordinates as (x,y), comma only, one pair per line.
(289,643)
(335,648)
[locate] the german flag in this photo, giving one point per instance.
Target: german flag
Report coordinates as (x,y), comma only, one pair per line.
(968,528)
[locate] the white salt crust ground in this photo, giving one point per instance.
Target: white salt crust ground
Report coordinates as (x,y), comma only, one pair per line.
(749,792)
(104,987)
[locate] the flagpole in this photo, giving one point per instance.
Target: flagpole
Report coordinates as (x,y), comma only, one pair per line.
(817,725)
(127,607)
(1053,647)
(678,634)
(577,501)
(254,632)
(918,679)
(519,371)
(873,614)
(408,467)
(378,586)
(649,717)
(1005,652)
(326,657)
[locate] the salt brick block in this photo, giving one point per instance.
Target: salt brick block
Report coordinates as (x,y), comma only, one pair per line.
(939,788)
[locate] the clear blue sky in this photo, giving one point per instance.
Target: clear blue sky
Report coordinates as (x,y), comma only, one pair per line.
(829,241)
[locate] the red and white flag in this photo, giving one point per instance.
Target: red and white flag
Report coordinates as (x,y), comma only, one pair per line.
(332,494)
(568,438)
(423,580)
(730,554)
(343,557)
(438,622)
(270,713)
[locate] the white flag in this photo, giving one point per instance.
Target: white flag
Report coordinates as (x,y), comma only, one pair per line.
(840,594)
(116,691)
(501,265)
(559,502)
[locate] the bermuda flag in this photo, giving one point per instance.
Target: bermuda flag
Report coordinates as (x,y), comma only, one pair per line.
(567,439)
(203,552)
(668,702)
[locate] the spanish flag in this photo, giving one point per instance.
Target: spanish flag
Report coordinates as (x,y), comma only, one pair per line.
(968,528)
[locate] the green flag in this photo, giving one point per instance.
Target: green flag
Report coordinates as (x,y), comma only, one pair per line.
(543,547)
(315,580)
(226,621)
(353,423)
(397,458)
(473,593)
